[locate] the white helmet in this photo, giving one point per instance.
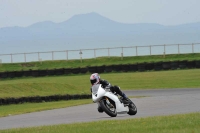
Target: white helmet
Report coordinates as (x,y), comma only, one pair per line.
(94,78)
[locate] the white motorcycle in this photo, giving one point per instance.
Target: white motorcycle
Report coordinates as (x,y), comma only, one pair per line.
(111,103)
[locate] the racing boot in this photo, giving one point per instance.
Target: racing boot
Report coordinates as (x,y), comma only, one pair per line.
(125,99)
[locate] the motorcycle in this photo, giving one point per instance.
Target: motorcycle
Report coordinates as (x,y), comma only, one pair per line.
(111,103)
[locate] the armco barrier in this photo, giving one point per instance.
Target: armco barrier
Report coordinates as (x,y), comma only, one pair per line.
(27,73)
(108,68)
(158,66)
(174,65)
(67,71)
(42,72)
(197,63)
(149,66)
(133,67)
(38,99)
(183,64)
(50,72)
(75,70)
(3,75)
(11,74)
(125,67)
(92,69)
(83,70)
(35,73)
(100,69)
(59,71)
(191,64)
(166,65)
(141,67)
(117,68)
(19,73)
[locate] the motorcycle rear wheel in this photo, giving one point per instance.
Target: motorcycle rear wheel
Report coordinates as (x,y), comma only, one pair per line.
(107,109)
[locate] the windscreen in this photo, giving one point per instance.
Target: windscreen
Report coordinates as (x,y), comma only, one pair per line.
(95,88)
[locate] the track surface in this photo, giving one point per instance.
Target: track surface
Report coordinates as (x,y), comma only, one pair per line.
(157,102)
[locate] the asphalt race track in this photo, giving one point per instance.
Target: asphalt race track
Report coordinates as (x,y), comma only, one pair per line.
(155,103)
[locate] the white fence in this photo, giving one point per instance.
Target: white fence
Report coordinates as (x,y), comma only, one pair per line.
(99,52)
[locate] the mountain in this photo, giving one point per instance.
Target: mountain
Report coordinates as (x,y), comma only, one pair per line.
(92,31)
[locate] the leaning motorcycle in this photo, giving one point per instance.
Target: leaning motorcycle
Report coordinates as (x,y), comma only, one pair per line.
(112,104)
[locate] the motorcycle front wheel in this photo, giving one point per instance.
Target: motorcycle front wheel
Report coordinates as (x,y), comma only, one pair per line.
(109,110)
(132,109)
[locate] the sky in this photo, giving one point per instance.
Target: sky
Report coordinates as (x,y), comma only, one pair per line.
(165,12)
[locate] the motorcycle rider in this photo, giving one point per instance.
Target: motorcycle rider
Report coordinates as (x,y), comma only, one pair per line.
(95,79)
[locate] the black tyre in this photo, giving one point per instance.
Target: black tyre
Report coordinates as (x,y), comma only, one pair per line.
(132,108)
(111,111)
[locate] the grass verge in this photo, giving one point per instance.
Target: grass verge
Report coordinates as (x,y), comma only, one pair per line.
(95,62)
(182,123)
(80,84)
(8,110)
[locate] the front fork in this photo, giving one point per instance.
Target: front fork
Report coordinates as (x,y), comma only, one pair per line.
(108,102)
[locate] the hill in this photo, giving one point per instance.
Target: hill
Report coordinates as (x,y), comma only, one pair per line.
(92,31)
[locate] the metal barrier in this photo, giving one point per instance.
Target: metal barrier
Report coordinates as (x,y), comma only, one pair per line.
(99,52)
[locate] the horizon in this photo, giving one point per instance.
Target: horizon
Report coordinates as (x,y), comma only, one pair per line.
(97,29)
(24,13)
(97,14)
(61,25)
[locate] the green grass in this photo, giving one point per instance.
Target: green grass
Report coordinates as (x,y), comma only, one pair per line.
(94,62)
(34,107)
(182,123)
(80,84)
